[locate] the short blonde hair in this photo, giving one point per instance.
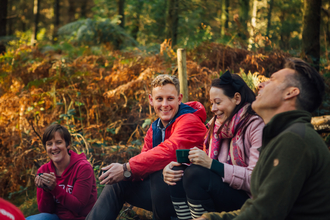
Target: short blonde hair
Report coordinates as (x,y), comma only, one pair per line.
(163,79)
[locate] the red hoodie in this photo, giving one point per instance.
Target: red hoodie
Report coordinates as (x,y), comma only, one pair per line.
(75,193)
(9,212)
(185,130)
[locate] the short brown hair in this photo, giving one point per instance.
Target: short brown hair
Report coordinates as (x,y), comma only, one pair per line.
(163,79)
(50,133)
(309,82)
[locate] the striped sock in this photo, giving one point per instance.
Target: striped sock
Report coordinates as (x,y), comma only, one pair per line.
(199,207)
(181,208)
(196,210)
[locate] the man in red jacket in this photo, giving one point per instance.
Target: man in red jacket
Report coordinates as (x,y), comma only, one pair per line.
(139,181)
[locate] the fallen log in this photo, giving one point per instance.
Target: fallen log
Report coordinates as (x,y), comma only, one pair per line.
(321,123)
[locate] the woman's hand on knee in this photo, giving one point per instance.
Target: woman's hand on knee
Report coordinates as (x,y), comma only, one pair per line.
(172,176)
(199,157)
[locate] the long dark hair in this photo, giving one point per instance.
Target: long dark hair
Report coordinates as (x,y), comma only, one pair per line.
(247,96)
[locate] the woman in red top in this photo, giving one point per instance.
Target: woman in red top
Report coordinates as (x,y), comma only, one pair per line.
(66,184)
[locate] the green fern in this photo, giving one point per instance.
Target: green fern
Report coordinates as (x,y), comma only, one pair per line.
(97,31)
(252,80)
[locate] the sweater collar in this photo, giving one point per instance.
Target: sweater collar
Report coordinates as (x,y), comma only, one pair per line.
(282,121)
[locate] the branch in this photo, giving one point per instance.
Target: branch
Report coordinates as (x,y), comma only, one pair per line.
(31,124)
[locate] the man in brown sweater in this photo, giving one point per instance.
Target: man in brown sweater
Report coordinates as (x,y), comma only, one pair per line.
(291,180)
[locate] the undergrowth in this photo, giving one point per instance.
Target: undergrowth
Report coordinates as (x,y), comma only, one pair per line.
(101,95)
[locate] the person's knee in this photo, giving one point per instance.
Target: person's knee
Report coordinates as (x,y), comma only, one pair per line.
(196,179)
(193,173)
(43,216)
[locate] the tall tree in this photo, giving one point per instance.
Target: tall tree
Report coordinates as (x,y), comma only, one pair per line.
(258,23)
(244,18)
(269,16)
(311,31)
(3,23)
(3,17)
(172,21)
(36,21)
(136,19)
(224,16)
(71,11)
(121,12)
(83,8)
(11,17)
(56,18)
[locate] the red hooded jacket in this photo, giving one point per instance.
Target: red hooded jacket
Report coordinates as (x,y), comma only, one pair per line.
(9,212)
(185,130)
(75,193)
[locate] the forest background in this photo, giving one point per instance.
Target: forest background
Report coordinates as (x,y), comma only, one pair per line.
(88,65)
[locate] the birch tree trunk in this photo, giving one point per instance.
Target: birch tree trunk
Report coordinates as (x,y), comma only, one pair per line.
(258,21)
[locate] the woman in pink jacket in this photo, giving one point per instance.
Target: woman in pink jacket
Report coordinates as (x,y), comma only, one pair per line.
(66,184)
(218,178)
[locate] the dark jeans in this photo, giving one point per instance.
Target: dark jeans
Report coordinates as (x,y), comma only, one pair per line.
(199,183)
(151,194)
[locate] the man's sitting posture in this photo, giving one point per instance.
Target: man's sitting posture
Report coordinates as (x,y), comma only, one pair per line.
(292,177)
(139,182)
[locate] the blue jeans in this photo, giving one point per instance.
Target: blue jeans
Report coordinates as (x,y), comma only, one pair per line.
(43,216)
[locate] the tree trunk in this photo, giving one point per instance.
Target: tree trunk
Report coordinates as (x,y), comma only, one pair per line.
(36,21)
(10,19)
(258,21)
(269,16)
(311,31)
(327,23)
(227,13)
(71,11)
(56,18)
(244,16)
(83,11)
(3,23)
(172,21)
(224,16)
(136,21)
(3,17)
(284,35)
(121,12)
(253,22)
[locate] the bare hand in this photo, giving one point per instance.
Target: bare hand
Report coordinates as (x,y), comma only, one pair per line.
(172,176)
(199,157)
(48,180)
(38,182)
(114,174)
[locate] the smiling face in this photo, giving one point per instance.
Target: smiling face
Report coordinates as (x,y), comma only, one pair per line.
(56,149)
(272,94)
(222,105)
(165,100)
